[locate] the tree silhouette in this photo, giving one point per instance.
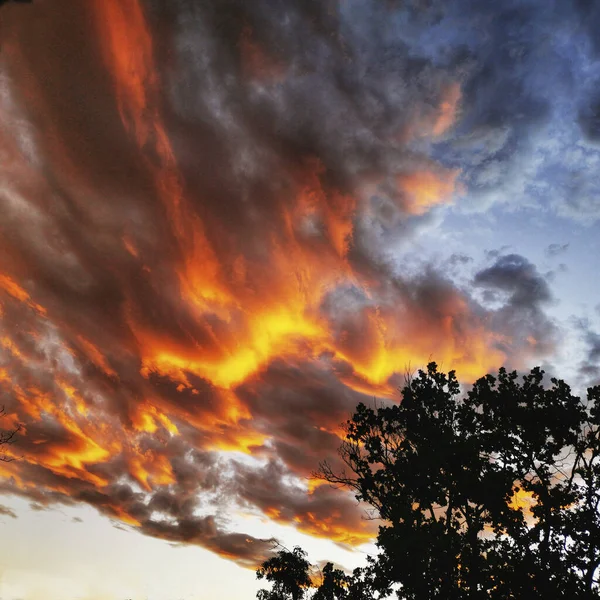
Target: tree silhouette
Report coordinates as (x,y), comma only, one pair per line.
(288,571)
(334,584)
(290,574)
(492,494)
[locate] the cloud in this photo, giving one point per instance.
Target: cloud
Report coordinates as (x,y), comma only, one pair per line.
(556,249)
(8,512)
(197,248)
(323,511)
(589,118)
(520,293)
(589,367)
(459,259)
(514,274)
(526,133)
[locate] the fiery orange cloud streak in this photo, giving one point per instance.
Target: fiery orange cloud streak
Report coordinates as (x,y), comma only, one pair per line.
(12,288)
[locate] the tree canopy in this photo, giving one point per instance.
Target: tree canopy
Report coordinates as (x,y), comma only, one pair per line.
(493,493)
(288,571)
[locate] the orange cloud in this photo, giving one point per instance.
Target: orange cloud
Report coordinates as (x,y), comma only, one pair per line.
(12,288)
(424,189)
(448,110)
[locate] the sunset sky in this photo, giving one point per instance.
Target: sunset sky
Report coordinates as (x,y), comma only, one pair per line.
(224,223)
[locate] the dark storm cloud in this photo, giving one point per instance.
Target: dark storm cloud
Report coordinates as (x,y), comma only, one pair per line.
(589,367)
(518,277)
(589,117)
(324,511)
(343,93)
(301,407)
(345,96)
(246,550)
(522,292)
(589,14)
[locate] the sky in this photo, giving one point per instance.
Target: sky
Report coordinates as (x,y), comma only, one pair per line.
(226,223)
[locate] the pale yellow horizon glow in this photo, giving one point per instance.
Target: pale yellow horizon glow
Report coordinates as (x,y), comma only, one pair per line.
(50,555)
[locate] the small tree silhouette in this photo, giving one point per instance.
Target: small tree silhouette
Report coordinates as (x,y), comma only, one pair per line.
(288,571)
(334,584)
(290,574)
